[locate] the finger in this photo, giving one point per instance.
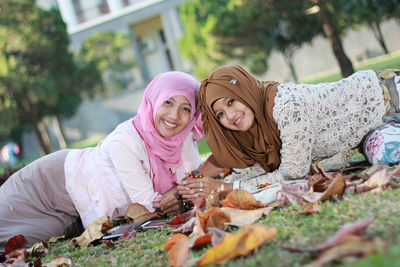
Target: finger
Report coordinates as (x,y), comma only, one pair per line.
(190,196)
(173,210)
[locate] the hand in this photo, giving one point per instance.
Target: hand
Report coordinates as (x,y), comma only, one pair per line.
(190,188)
(168,204)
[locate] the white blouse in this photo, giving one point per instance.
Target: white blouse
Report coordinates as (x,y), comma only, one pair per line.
(107,178)
(319,121)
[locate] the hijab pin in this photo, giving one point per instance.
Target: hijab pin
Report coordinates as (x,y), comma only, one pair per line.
(233,81)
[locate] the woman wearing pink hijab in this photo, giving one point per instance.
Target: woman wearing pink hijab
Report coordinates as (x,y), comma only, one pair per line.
(139,162)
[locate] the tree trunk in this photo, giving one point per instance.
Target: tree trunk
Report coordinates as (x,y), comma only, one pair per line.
(59,132)
(41,136)
(289,62)
(376,29)
(346,67)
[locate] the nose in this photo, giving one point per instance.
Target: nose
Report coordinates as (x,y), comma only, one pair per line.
(230,115)
(174,114)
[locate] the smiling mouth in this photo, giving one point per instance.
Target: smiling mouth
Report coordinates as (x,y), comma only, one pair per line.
(170,125)
(239,120)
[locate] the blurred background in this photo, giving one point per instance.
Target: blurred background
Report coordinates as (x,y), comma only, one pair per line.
(72,70)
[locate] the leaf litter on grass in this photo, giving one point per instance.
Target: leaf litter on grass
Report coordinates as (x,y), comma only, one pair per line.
(207,224)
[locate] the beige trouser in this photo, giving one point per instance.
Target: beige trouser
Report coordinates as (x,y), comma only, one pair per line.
(34,202)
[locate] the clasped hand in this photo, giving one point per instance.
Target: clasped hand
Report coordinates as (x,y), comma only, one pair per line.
(189,188)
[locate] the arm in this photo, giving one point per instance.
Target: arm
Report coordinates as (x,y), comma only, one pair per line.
(297,137)
(131,167)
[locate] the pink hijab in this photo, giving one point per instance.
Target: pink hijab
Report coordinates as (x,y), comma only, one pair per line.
(165,153)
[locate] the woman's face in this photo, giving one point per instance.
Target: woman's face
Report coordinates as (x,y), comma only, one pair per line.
(232,114)
(173,116)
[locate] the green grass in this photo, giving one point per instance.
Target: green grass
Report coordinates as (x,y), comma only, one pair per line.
(293,231)
(391,61)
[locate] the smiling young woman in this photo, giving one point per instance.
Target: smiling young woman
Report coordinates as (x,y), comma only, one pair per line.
(139,162)
(277,129)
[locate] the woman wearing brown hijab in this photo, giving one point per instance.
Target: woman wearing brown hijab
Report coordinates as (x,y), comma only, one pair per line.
(282,127)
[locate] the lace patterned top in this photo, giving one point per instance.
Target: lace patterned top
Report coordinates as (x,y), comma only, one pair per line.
(320,120)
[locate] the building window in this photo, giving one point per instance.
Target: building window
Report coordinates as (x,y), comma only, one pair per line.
(89,9)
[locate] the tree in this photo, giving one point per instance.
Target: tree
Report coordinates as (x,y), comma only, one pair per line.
(248,30)
(372,13)
(110,52)
(331,30)
(39,77)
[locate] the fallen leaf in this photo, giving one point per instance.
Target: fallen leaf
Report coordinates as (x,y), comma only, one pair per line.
(348,229)
(39,249)
(214,200)
(215,217)
(350,246)
(187,227)
(19,254)
(217,235)
(181,219)
(377,182)
(241,199)
(173,239)
(58,261)
(94,231)
(14,243)
(139,213)
(239,244)
(337,187)
(179,252)
(201,240)
(243,217)
(310,209)
(128,235)
(54,239)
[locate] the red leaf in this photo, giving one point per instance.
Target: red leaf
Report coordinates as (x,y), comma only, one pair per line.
(16,242)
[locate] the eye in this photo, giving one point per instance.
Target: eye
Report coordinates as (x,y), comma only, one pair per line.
(186,109)
(169,103)
(219,115)
(230,102)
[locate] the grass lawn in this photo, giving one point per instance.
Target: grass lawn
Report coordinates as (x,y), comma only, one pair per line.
(391,61)
(293,231)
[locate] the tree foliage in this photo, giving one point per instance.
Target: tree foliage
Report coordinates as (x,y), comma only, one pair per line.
(372,13)
(248,30)
(39,77)
(109,51)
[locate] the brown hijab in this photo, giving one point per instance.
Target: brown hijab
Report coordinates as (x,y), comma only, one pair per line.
(237,149)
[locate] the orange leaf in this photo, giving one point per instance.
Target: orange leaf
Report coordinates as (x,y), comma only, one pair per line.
(173,239)
(243,217)
(179,252)
(233,245)
(215,217)
(241,199)
(202,240)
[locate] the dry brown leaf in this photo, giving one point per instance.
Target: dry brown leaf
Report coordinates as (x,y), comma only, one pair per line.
(337,187)
(173,239)
(350,246)
(94,231)
(215,217)
(310,209)
(243,217)
(15,242)
(139,213)
(179,252)
(239,244)
(58,261)
(216,235)
(241,199)
(348,229)
(39,249)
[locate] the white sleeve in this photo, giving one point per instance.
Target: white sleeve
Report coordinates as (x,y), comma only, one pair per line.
(129,158)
